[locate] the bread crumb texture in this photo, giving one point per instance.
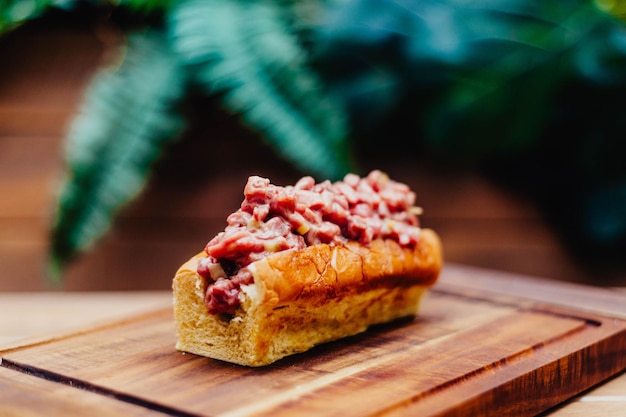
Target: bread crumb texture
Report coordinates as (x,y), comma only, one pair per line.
(300,299)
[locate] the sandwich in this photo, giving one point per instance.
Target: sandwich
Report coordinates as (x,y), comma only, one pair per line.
(305,264)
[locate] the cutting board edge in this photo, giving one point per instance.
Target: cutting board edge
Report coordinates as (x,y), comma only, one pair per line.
(611,365)
(498,285)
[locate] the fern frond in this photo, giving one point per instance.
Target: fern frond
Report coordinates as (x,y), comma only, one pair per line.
(246,52)
(129,116)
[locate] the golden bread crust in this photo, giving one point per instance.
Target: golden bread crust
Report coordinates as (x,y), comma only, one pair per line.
(321,271)
(303,298)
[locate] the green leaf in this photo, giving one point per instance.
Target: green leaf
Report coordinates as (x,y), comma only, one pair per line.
(144,5)
(13,13)
(129,116)
(247,52)
(499,98)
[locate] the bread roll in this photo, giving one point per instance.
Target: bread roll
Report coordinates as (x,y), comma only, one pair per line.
(299,298)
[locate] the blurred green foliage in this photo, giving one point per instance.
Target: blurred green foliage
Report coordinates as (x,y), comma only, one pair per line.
(531,90)
(130,114)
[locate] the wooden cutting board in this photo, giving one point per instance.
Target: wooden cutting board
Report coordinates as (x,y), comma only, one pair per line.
(484,344)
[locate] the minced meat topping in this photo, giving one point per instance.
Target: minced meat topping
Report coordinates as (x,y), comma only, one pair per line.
(273,218)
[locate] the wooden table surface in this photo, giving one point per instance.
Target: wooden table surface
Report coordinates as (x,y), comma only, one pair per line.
(29,318)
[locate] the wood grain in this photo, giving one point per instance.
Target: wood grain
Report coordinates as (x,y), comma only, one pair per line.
(608,399)
(23,395)
(32,317)
(512,287)
(493,354)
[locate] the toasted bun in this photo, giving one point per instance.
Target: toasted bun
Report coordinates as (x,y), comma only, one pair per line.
(303,298)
